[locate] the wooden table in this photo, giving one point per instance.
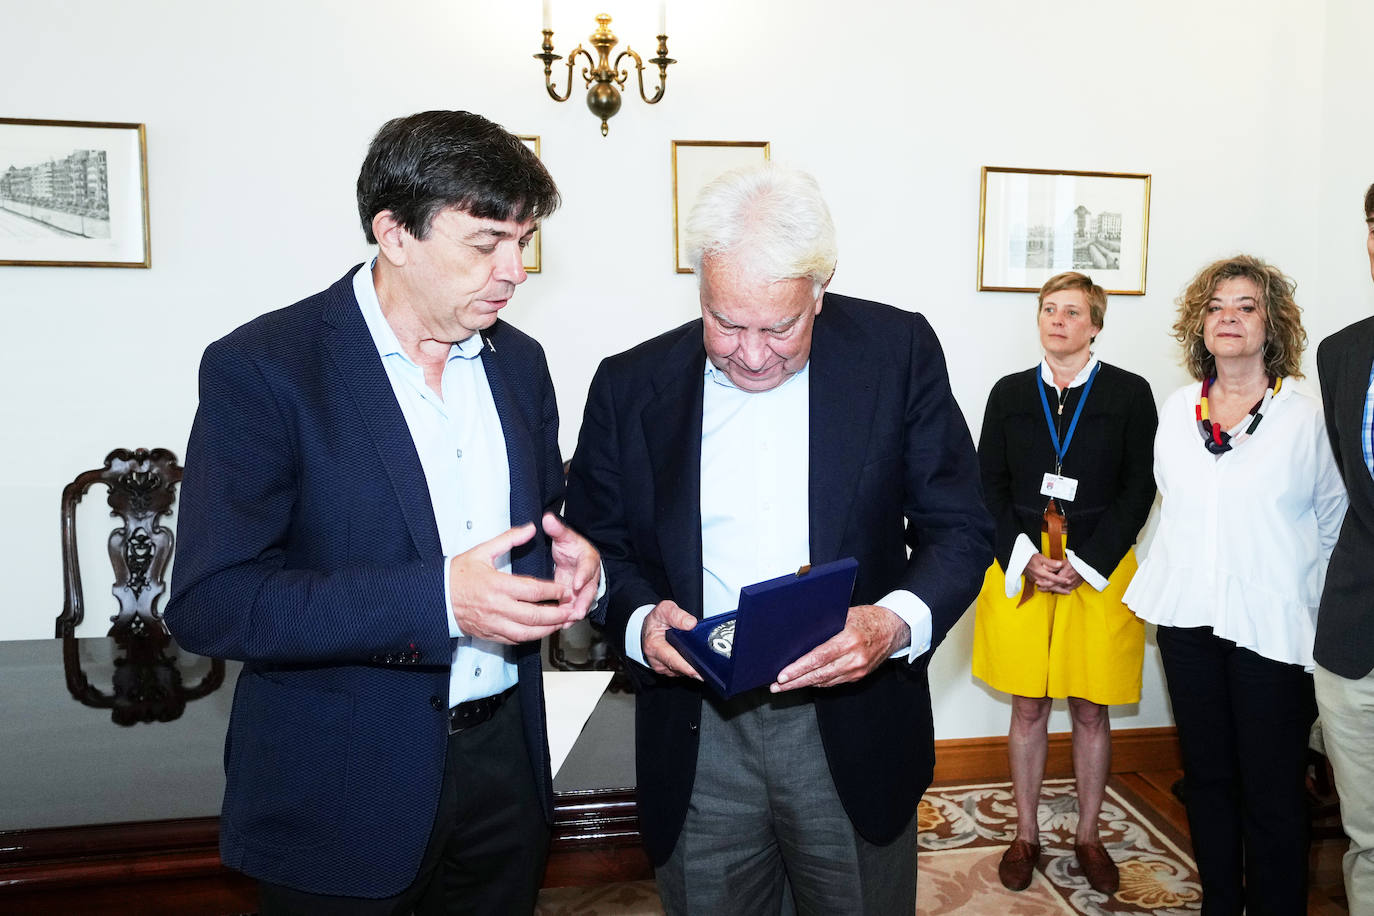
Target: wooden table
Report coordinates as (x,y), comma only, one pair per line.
(100,817)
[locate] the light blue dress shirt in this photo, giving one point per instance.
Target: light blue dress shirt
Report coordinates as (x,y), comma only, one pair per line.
(463,452)
(1367,424)
(755,506)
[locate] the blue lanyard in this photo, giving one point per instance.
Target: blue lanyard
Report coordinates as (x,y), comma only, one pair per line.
(1061,450)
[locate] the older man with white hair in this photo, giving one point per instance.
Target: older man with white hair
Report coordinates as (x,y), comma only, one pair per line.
(787,426)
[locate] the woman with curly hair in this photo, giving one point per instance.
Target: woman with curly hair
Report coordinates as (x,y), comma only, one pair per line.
(1252,504)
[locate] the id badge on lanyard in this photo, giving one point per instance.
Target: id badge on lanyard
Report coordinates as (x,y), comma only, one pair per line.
(1055,485)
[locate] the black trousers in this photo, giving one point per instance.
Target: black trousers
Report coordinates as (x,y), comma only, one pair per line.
(487,849)
(1243,726)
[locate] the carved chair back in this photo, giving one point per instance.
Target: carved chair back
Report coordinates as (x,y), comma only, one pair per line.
(147,682)
(142,487)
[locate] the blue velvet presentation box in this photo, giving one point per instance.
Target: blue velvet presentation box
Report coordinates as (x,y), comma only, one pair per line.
(777,622)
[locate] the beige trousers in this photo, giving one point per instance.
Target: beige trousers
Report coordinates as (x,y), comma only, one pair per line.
(1347,717)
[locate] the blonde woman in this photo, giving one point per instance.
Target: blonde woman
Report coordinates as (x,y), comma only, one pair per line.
(1065,455)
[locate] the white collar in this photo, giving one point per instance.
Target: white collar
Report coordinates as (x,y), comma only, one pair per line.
(1047,374)
(720,378)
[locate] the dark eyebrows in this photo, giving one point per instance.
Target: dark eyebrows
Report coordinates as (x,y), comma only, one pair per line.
(492,234)
(488,232)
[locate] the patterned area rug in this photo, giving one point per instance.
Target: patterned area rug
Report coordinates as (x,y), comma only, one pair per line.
(963,831)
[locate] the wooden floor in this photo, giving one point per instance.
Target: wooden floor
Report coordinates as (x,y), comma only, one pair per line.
(1326,894)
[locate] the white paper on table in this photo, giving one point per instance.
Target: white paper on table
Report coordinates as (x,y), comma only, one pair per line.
(569,699)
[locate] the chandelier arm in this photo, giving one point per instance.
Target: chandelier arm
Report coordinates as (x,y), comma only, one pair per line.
(622,75)
(572,62)
(661,61)
(548,57)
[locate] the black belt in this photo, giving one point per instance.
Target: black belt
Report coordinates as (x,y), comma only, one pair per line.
(472,713)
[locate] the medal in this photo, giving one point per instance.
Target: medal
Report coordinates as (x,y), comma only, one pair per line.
(722,639)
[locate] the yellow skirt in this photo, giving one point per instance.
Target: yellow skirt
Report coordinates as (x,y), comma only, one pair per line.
(1085,644)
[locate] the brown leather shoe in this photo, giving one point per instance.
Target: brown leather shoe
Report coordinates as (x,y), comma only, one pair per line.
(1098,867)
(1018,864)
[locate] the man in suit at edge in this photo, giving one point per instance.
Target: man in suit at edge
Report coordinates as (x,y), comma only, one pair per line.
(1345,624)
(367,469)
(786,426)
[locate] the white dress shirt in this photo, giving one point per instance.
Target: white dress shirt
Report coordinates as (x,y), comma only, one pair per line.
(463,452)
(755,508)
(1243,537)
(1023,548)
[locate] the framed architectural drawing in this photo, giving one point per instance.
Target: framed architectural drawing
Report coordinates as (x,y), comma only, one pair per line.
(73,194)
(1035,223)
(695,163)
(533,249)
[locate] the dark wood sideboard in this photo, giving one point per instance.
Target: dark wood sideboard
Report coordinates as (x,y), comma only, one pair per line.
(97,817)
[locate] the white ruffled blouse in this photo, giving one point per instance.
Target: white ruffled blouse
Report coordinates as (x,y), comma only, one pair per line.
(1243,538)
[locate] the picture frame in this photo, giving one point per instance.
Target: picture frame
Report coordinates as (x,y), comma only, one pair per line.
(695,163)
(532,255)
(1035,223)
(73,194)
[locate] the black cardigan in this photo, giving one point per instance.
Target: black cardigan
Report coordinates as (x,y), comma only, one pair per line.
(1111,456)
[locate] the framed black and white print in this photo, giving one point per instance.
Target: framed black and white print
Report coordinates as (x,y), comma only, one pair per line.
(73,194)
(1035,223)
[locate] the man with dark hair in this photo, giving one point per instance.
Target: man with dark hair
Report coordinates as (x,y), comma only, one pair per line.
(1345,624)
(367,523)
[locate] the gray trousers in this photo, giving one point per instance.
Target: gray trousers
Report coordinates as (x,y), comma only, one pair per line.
(1347,715)
(765,831)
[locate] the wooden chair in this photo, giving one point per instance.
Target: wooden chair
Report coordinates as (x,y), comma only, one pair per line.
(147,684)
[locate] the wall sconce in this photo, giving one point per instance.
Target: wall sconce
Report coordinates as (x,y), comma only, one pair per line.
(603,98)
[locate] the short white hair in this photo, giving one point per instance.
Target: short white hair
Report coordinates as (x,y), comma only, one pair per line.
(772,219)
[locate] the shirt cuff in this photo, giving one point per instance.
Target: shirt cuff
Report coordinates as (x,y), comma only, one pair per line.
(601,586)
(915,613)
(1090,575)
(454,631)
(634,634)
(1021,552)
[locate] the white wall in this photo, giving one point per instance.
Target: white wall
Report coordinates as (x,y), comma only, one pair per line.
(1249,115)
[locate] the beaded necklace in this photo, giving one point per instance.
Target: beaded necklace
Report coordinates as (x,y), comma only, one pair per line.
(1216,439)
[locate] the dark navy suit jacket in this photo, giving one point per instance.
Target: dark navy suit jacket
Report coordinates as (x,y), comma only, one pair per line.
(892,467)
(308,549)
(1345,623)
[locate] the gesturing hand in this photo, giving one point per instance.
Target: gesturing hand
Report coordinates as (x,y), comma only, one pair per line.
(870,635)
(658,652)
(505,608)
(576,564)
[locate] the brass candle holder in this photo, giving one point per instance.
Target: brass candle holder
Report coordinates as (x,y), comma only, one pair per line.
(604,79)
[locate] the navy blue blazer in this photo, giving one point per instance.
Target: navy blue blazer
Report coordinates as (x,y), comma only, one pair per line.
(892,467)
(1345,623)
(308,549)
